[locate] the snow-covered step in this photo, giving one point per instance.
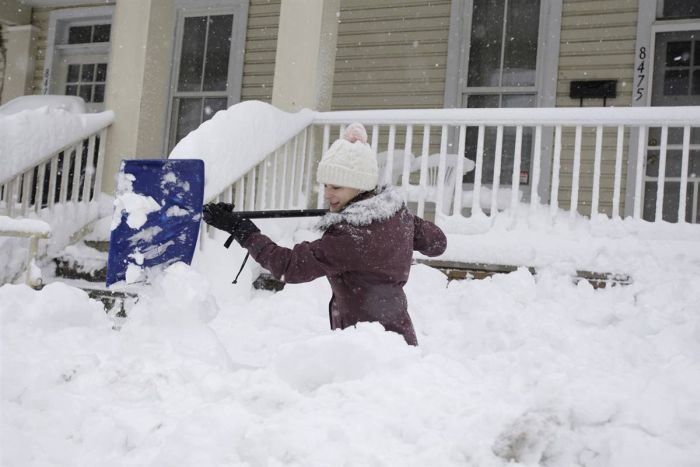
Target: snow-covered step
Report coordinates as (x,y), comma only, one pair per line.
(455,270)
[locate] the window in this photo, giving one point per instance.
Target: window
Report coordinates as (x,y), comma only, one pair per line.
(678,9)
(208,64)
(78,54)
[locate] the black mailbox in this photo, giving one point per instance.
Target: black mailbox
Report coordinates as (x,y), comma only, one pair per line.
(593,89)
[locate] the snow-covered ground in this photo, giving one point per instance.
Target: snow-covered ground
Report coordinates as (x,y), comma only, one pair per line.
(532,369)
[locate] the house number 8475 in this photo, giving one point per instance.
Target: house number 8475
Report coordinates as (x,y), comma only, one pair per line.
(641,73)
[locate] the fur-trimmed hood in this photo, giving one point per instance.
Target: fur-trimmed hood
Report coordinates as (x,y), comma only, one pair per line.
(386,202)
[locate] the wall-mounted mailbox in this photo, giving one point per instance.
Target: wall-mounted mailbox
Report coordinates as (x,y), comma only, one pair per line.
(593,89)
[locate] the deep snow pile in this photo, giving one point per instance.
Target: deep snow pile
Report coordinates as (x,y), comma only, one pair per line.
(523,368)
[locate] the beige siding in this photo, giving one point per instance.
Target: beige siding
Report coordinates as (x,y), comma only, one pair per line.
(597,42)
(260,49)
(391,54)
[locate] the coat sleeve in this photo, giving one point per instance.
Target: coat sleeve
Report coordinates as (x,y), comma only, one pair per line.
(428,238)
(305,261)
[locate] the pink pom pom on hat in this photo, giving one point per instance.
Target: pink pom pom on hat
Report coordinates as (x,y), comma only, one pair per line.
(350,162)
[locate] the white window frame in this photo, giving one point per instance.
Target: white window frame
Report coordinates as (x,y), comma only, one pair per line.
(59,22)
(186,8)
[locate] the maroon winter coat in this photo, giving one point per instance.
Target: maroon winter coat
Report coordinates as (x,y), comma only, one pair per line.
(365,252)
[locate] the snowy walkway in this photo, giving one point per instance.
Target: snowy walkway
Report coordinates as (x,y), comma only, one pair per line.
(530,368)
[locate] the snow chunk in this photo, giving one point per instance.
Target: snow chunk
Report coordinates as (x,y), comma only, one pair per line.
(235,140)
(136,208)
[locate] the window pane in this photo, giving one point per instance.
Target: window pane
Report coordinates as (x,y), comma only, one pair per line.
(71,90)
(192,54)
(101,74)
(99,95)
(520,55)
(213,105)
(681,9)
(485,48)
(218,51)
(676,82)
(88,72)
(678,53)
(519,100)
(696,83)
(86,93)
(188,117)
(79,34)
(483,101)
(73,74)
(101,33)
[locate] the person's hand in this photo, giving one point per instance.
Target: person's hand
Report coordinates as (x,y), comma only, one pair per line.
(223,217)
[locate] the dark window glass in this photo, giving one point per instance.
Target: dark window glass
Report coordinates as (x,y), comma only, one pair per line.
(189,116)
(79,34)
(218,51)
(678,54)
(676,82)
(86,93)
(213,105)
(101,32)
(88,72)
(681,9)
(485,48)
(101,72)
(73,73)
(71,90)
(191,56)
(520,54)
(482,101)
(99,95)
(695,89)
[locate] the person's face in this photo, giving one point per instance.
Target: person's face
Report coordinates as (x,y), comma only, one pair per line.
(338,196)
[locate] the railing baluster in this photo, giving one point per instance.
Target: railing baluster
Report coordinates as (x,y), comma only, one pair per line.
(696,196)
(389,163)
(684,174)
(573,206)
(324,149)
(89,169)
(299,192)
(461,143)
(537,158)
(100,164)
(661,180)
(556,168)
(641,166)
(440,188)
(39,192)
(423,181)
(275,178)
(618,171)
(476,192)
(375,138)
(77,168)
(515,181)
(498,155)
(53,178)
(595,198)
(407,161)
(293,172)
(283,179)
(262,189)
(239,203)
(309,165)
(250,194)
(11,188)
(63,195)
(27,180)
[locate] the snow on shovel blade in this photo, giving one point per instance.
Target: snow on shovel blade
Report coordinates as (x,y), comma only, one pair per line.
(156,216)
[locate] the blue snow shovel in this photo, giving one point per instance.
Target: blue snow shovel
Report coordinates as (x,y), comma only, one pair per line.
(173,192)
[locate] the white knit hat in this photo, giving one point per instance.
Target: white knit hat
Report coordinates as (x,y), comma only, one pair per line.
(350,162)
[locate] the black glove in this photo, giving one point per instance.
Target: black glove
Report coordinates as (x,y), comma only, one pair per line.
(223,217)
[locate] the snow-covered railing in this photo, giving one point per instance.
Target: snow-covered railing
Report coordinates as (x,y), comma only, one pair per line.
(69,176)
(555,139)
(34,230)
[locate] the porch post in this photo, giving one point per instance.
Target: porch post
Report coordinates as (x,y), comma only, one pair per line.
(305,58)
(137,82)
(20,45)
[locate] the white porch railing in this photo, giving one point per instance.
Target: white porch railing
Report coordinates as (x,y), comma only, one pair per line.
(62,188)
(521,157)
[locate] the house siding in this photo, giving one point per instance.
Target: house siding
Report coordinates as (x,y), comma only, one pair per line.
(391,54)
(597,42)
(260,50)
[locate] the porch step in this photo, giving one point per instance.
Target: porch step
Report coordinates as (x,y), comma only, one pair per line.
(455,270)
